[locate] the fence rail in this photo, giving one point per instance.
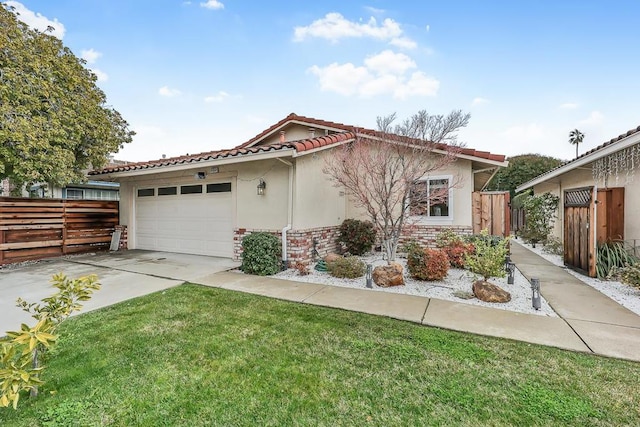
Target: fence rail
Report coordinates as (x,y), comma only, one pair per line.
(39,228)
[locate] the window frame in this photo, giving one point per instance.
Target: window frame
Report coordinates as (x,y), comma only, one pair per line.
(436,219)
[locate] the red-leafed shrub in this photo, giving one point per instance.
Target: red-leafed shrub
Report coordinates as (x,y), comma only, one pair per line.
(428,264)
(457,253)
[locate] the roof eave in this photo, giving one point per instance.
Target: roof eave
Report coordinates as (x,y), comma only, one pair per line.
(288,152)
(582,161)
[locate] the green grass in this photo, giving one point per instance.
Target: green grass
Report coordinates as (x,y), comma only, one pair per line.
(196,356)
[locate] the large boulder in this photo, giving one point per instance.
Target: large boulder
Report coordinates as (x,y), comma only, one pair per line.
(329,258)
(488,292)
(388,275)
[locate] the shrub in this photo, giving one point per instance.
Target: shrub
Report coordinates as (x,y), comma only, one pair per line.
(454,246)
(428,264)
(612,256)
(260,254)
(357,236)
(554,246)
(348,267)
(540,213)
(489,255)
(630,275)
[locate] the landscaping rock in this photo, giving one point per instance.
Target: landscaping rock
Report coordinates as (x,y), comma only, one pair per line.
(464,294)
(332,257)
(488,292)
(386,276)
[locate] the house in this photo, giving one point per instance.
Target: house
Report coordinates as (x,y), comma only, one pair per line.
(599,198)
(205,203)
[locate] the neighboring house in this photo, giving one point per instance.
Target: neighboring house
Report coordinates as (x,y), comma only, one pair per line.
(205,203)
(599,198)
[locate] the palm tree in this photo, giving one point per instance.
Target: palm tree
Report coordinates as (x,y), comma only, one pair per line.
(576,137)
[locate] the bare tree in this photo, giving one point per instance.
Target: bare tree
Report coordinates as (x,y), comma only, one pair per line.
(382,171)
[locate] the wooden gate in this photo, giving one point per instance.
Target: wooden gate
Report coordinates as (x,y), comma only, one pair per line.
(579,230)
(491,211)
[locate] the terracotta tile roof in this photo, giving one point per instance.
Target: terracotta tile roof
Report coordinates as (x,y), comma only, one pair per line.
(349,132)
(294,117)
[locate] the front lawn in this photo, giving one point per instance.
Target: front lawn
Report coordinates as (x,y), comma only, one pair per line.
(192,356)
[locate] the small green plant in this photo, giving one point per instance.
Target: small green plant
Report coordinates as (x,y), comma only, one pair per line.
(630,275)
(540,213)
(554,246)
(357,236)
(348,267)
(448,237)
(489,255)
(428,264)
(611,256)
(20,352)
(260,254)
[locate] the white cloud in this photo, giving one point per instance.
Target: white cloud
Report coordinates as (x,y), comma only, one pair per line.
(388,62)
(569,106)
(428,28)
(383,74)
(101,75)
(404,43)
(168,92)
(219,97)
(595,118)
(334,27)
(90,55)
(212,4)
(479,101)
(374,11)
(36,20)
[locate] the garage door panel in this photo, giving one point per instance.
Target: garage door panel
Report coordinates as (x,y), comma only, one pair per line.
(196,223)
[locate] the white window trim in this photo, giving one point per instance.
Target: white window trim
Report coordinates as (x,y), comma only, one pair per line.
(436,220)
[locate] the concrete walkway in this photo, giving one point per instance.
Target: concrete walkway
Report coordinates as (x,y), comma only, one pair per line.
(589,321)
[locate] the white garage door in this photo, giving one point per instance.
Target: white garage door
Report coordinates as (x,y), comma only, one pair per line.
(191,219)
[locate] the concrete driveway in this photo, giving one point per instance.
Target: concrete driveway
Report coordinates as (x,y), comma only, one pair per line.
(123,275)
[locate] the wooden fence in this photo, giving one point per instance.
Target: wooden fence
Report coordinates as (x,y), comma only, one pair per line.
(39,228)
(491,211)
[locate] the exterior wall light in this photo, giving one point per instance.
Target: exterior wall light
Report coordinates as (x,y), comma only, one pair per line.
(262,186)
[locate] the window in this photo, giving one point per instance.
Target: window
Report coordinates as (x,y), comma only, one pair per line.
(432,198)
(146,192)
(167,191)
(225,187)
(191,189)
(74,193)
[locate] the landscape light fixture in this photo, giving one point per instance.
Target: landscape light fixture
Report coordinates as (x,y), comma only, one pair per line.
(511,268)
(369,276)
(261,187)
(535,290)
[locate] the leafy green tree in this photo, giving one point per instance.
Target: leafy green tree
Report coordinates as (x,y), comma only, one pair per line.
(522,168)
(20,351)
(540,212)
(54,121)
(575,138)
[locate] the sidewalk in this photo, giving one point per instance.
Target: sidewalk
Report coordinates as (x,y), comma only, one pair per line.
(589,321)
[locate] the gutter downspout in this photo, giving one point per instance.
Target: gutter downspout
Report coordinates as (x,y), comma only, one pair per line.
(285,261)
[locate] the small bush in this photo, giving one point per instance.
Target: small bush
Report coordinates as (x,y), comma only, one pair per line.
(347,267)
(260,253)
(357,236)
(428,264)
(630,275)
(554,246)
(448,237)
(611,256)
(489,255)
(454,246)
(303,269)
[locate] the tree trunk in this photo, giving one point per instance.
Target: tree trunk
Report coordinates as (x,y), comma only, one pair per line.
(34,389)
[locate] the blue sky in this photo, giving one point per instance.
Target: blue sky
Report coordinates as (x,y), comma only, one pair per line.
(205,75)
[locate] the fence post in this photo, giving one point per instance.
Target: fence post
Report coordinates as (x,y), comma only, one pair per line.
(64,227)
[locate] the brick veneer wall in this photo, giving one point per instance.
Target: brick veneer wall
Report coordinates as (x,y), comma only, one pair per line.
(123,237)
(426,235)
(299,242)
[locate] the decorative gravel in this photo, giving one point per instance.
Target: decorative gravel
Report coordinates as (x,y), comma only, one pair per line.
(624,295)
(457,281)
